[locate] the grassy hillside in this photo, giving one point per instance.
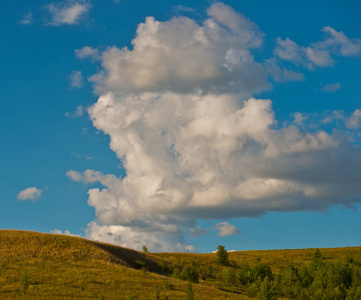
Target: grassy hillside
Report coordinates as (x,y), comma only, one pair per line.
(45,266)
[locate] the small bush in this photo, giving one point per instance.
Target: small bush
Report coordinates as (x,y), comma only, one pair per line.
(267,290)
(168,286)
(356,277)
(290,282)
(189,273)
(244,274)
(262,289)
(145,249)
(175,273)
(229,276)
(163,266)
(139,264)
(261,270)
(305,276)
(210,272)
(317,259)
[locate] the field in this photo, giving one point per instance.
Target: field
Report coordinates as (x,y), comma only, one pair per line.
(46,266)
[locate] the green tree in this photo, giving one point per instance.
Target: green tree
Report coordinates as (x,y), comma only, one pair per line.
(222,256)
(145,249)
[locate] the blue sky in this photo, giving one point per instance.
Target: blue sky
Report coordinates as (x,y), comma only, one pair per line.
(183,125)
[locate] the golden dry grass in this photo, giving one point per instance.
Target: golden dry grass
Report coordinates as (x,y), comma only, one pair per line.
(64,267)
(45,266)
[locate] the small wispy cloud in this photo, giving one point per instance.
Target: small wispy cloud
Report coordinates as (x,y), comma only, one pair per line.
(74,175)
(27,19)
(181,8)
(67,12)
(31,193)
(88,52)
(79,155)
(226,229)
(280,73)
(318,54)
(76,79)
(330,88)
(65,232)
(79,111)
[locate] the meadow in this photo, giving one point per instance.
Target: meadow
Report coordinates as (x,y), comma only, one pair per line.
(46,266)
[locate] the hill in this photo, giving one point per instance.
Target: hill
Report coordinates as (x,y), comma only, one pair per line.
(47,266)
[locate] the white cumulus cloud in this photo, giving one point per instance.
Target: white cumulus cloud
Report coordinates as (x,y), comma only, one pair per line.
(226,229)
(88,52)
(196,144)
(31,193)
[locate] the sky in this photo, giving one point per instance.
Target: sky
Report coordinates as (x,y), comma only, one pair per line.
(182,125)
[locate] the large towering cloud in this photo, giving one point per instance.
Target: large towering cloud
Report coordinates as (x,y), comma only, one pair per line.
(179,111)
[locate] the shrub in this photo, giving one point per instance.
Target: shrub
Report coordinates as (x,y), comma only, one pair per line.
(290,282)
(244,274)
(209,271)
(229,276)
(267,290)
(252,288)
(163,266)
(175,273)
(261,270)
(317,259)
(145,249)
(339,275)
(139,264)
(222,256)
(168,286)
(305,276)
(356,277)
(189,273)
(262,289)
